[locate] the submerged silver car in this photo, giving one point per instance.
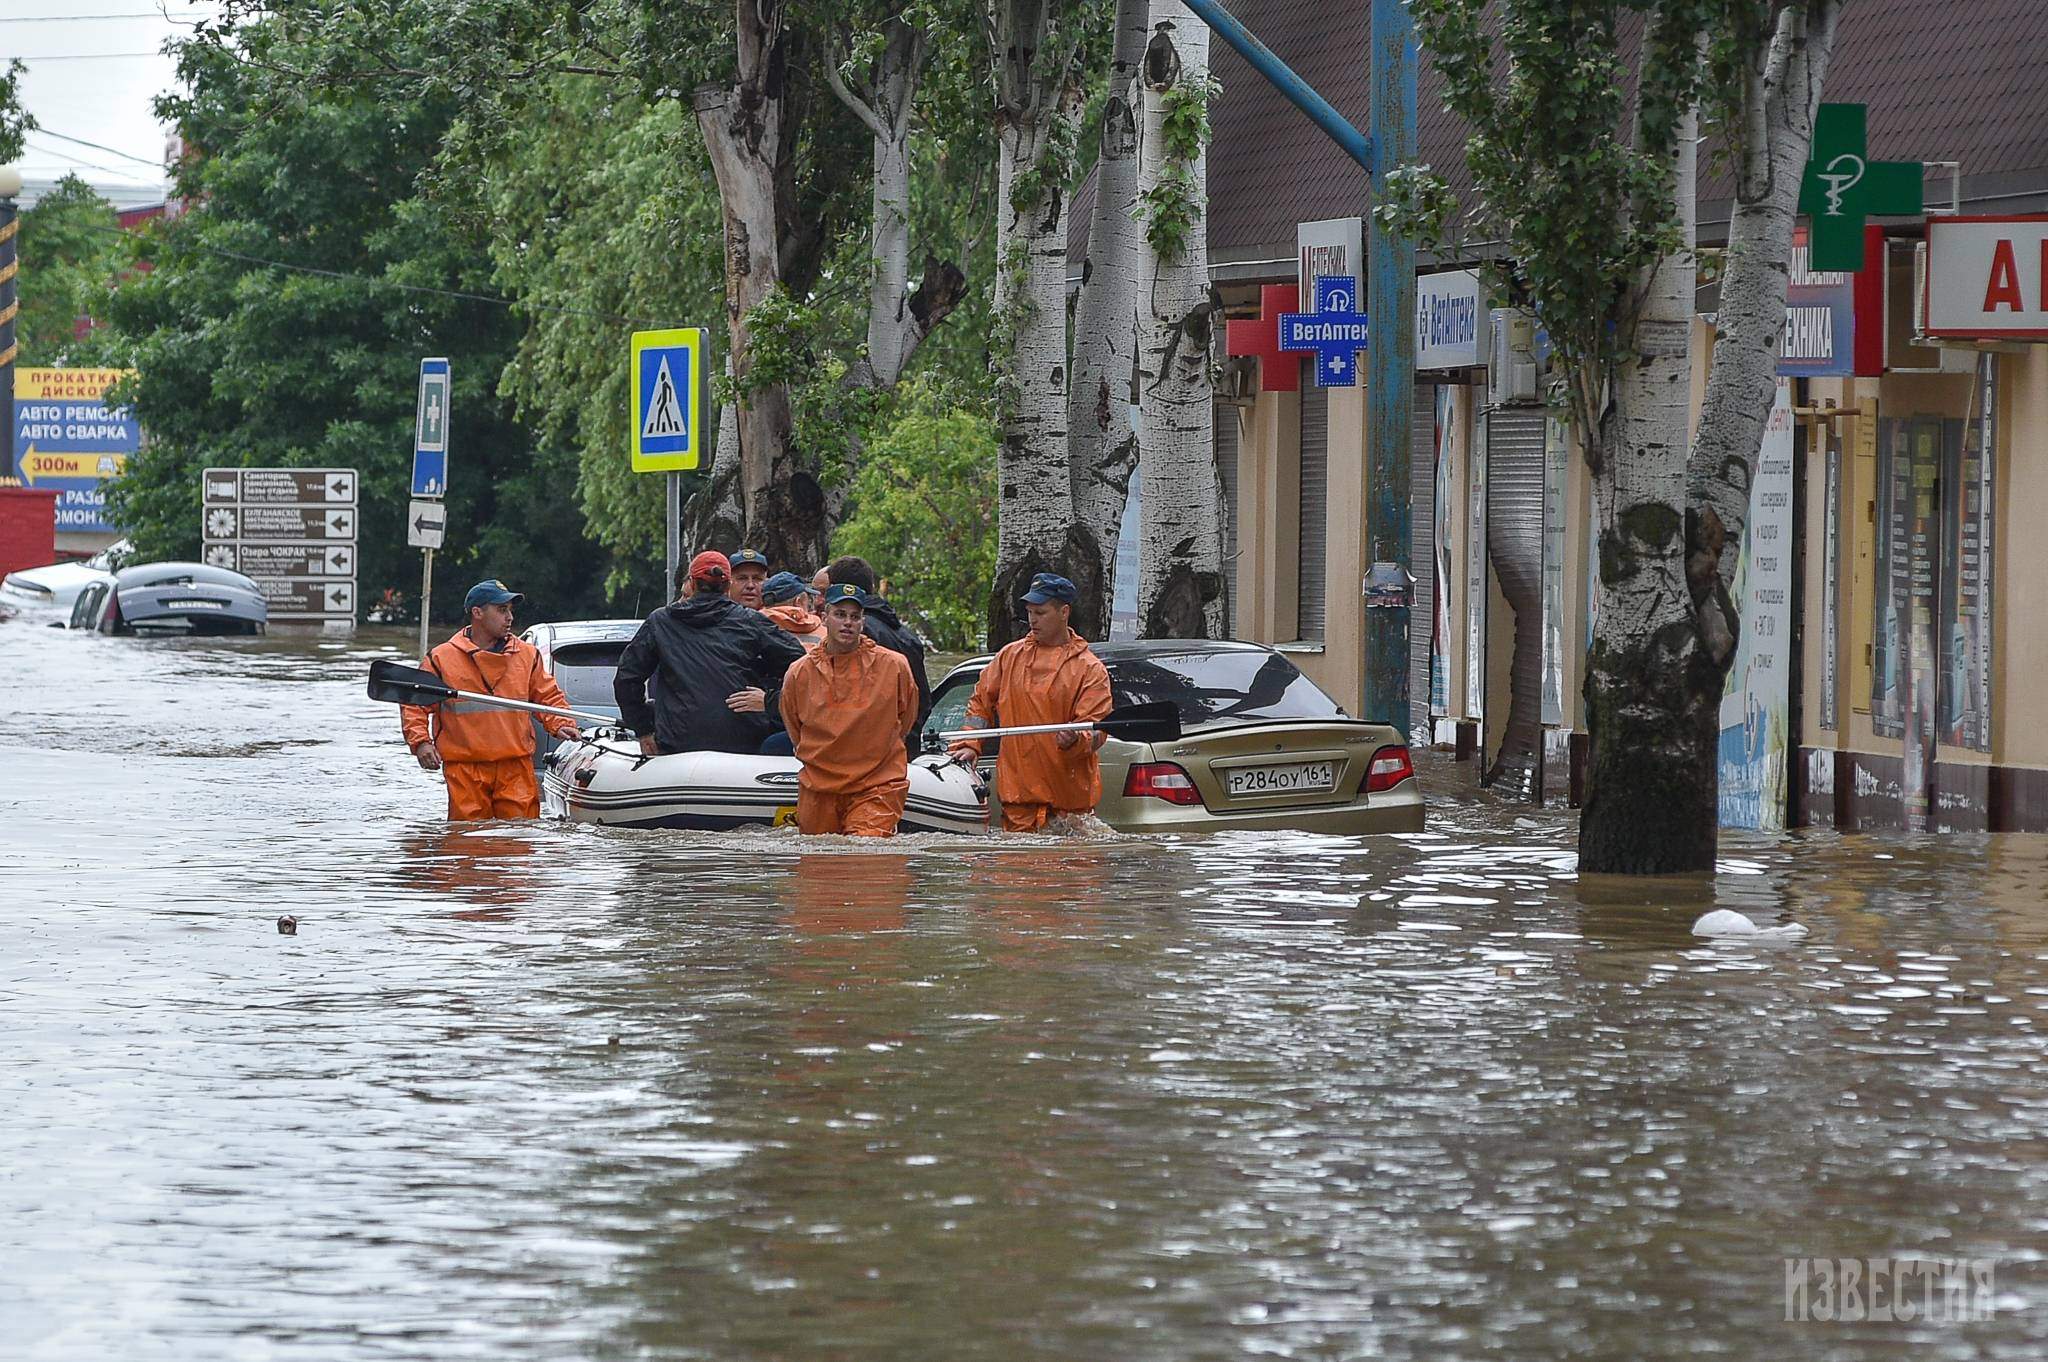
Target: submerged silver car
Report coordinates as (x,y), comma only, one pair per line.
(1261,745)
(583,656)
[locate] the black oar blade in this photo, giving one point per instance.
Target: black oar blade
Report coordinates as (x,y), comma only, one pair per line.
(395,684)
(1154,721)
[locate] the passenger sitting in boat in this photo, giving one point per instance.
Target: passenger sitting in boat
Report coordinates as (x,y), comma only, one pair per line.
(719,664)
(844,706)
(749,573)
(787,601)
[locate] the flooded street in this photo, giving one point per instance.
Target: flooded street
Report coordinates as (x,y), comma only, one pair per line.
(549,1092)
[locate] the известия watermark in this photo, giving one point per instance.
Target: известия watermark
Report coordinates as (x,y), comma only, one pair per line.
(1921,1290)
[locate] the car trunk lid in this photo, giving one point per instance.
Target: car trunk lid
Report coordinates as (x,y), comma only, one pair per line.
(1292,763)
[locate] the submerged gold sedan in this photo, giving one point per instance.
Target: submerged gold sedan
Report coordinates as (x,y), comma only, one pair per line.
(1261,745)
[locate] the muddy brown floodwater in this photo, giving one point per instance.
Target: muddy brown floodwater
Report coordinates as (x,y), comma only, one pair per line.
(550,1092)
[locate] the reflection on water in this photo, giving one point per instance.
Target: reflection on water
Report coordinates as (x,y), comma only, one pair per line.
(543,1091)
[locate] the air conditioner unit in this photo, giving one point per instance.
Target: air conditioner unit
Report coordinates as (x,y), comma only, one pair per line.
(1511,370)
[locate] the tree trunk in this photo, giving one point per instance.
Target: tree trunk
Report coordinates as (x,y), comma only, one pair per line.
(1103,449)
(1781,97)
(898,321)
(1671,528)
(745,128)
(1037,107)
(1180,526)
(1650,807)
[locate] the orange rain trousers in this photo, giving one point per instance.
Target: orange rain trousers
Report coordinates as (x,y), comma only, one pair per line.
(491,789)
(873,812)
(1032,817)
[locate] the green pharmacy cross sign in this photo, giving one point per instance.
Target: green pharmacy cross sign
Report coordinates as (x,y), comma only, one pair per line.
(1842,187)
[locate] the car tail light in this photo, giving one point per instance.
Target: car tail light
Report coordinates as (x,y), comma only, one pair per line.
(1161,780)
(1390,766)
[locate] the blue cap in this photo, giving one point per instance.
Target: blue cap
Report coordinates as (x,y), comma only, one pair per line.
(845,591)
(749,556)
(490,591)
(783,586)
(1050,586)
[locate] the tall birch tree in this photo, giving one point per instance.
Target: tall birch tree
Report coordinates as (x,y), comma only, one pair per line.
(1589,194)
(1180,525)
(1035,48)
(1103,447)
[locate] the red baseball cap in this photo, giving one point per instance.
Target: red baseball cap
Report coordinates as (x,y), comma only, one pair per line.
(710,566)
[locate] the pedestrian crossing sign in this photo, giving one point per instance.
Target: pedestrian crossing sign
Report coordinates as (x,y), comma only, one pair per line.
(669,405)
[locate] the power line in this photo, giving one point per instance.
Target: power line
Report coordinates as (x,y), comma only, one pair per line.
(97,146)
(73,161)
(85,56)
(376,281)
(78,18)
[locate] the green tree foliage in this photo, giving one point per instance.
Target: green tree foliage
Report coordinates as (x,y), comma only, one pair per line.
(604,208)
(242,362)
(72,251)
(14,120)
(925,513)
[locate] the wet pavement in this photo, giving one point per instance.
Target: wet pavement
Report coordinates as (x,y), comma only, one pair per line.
(550,1092)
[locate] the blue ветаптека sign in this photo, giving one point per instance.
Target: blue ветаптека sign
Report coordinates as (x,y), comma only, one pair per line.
(67,439)
(1334,333)
(669,406)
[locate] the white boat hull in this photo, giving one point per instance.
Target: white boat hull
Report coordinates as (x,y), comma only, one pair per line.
(607,781)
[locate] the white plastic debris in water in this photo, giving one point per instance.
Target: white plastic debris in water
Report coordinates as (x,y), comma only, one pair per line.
(1728,922)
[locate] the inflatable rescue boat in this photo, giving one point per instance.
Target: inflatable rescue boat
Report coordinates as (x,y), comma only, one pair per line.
(608,780)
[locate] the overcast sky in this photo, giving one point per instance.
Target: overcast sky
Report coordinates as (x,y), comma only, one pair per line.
(94,66)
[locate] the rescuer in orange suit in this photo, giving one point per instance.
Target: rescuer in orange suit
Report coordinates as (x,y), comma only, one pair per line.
(846,707)
(1047,677)
(486,755)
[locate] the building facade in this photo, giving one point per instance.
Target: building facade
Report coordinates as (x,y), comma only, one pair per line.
(1893,671)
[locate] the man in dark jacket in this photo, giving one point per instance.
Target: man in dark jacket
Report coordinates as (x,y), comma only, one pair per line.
(887,631)
(719,664)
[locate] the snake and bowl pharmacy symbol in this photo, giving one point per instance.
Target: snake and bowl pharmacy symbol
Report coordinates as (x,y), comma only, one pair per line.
(1335,332)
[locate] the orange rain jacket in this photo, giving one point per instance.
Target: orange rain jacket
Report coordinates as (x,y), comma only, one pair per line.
(1029,683)
(846,714)
(466,731)
(794,619)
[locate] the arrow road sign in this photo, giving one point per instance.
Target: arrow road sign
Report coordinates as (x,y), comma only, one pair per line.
(291,560)
(426,524)
(292,530)
(299,598)
(280,486)
(430,431)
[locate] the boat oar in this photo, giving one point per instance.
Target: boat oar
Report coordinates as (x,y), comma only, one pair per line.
(1154,721)
(401,685)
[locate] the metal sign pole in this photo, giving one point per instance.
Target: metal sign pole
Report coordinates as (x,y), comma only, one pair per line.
(426,597)
(674,520)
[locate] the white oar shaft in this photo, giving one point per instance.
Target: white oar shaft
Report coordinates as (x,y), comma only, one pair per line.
(965,734)
(530,708)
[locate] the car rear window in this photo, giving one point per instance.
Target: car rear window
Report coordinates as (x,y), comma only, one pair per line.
(1238,686)
(585,671)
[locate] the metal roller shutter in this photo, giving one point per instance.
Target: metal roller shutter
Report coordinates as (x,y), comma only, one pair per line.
(1514,541)
(1422,560)
(1226,474)
(1315,495)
